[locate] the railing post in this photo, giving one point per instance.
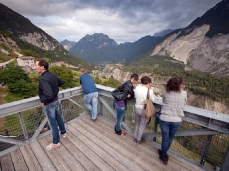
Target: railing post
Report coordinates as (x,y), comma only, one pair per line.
(23,125)
(225,164)
(100,107)
(155,128)
(205,152)
(61,110)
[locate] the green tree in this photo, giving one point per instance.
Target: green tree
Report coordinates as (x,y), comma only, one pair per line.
(12,74)
(23,88)
(18,81)
(27,52)
(66,74)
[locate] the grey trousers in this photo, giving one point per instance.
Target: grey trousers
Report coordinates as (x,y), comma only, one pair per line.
(140,123)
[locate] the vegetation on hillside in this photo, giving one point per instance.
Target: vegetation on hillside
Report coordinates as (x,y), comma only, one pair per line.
(17,81)
(198,82)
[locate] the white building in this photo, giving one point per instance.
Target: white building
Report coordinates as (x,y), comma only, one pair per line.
(26,61)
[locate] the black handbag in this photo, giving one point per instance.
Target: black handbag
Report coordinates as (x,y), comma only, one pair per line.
(118,93)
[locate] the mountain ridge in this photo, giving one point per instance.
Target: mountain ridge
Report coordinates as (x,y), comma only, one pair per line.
(202,45)
(100,49)
(28,36)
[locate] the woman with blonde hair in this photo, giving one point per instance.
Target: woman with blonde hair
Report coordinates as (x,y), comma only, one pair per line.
(174,100)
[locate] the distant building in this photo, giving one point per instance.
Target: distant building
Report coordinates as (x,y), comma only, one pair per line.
(26,61)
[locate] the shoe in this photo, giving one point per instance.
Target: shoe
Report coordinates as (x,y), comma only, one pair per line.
(64,135)
(135,140)
(159,152)
(51,146)
(94,120)
(141,141)
(120,133)
(164,158)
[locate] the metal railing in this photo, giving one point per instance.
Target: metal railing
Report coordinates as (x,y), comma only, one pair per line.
(203,136)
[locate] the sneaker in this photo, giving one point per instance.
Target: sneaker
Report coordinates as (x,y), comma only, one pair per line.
(51,146)
(94,119)
(64,135)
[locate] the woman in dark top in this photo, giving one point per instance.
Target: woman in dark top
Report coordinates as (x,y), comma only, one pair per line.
(125,91)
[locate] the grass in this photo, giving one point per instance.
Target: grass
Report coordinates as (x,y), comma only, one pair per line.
(5,58)
(10,97)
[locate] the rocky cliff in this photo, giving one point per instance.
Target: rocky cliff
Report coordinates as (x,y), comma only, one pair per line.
(198,51)
(20,27)
(8,42)
(204,44)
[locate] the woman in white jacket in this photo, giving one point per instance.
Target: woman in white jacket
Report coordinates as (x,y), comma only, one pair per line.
(140,95)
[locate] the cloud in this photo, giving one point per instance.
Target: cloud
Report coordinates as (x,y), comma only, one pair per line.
(121,20)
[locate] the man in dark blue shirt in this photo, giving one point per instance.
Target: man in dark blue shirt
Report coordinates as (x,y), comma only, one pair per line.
(90,93)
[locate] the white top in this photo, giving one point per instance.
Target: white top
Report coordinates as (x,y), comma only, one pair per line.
(140,94)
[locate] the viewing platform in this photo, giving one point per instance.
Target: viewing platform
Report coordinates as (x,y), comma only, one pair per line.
(91,146)
(200,144)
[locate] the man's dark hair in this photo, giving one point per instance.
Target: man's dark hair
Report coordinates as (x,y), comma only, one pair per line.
(135,76)
(145,80)
(42,62)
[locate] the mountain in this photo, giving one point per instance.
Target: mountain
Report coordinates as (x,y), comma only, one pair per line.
(162,33)
(132,51)
(203,45)
(67,44)
(97,48)
(27,36)
(100,49)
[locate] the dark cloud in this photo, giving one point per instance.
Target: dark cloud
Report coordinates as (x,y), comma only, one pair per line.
(120,18)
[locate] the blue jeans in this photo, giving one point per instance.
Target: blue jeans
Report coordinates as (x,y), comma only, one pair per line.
(168,130)
(120,112)
(91,102)
(54,118)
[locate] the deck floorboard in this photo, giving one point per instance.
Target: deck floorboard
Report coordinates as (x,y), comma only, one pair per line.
(91,146)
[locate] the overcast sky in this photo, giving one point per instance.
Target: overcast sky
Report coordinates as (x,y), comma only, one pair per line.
(121,20)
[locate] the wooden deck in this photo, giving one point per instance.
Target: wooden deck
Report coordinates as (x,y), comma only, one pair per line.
(91,146)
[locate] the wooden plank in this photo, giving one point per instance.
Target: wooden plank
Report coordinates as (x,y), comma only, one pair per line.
(18,160)
(45,162)
(100,163)
(30,158)
(109,149)
(77,154)
(107,136)
(56,159)
(97,146)
(148,154)
(150,149)
(67,157)
(175,160)
(6,162)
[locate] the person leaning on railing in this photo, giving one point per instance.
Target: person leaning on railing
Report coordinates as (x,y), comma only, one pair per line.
(174,99)
(140,93)
(121,94)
